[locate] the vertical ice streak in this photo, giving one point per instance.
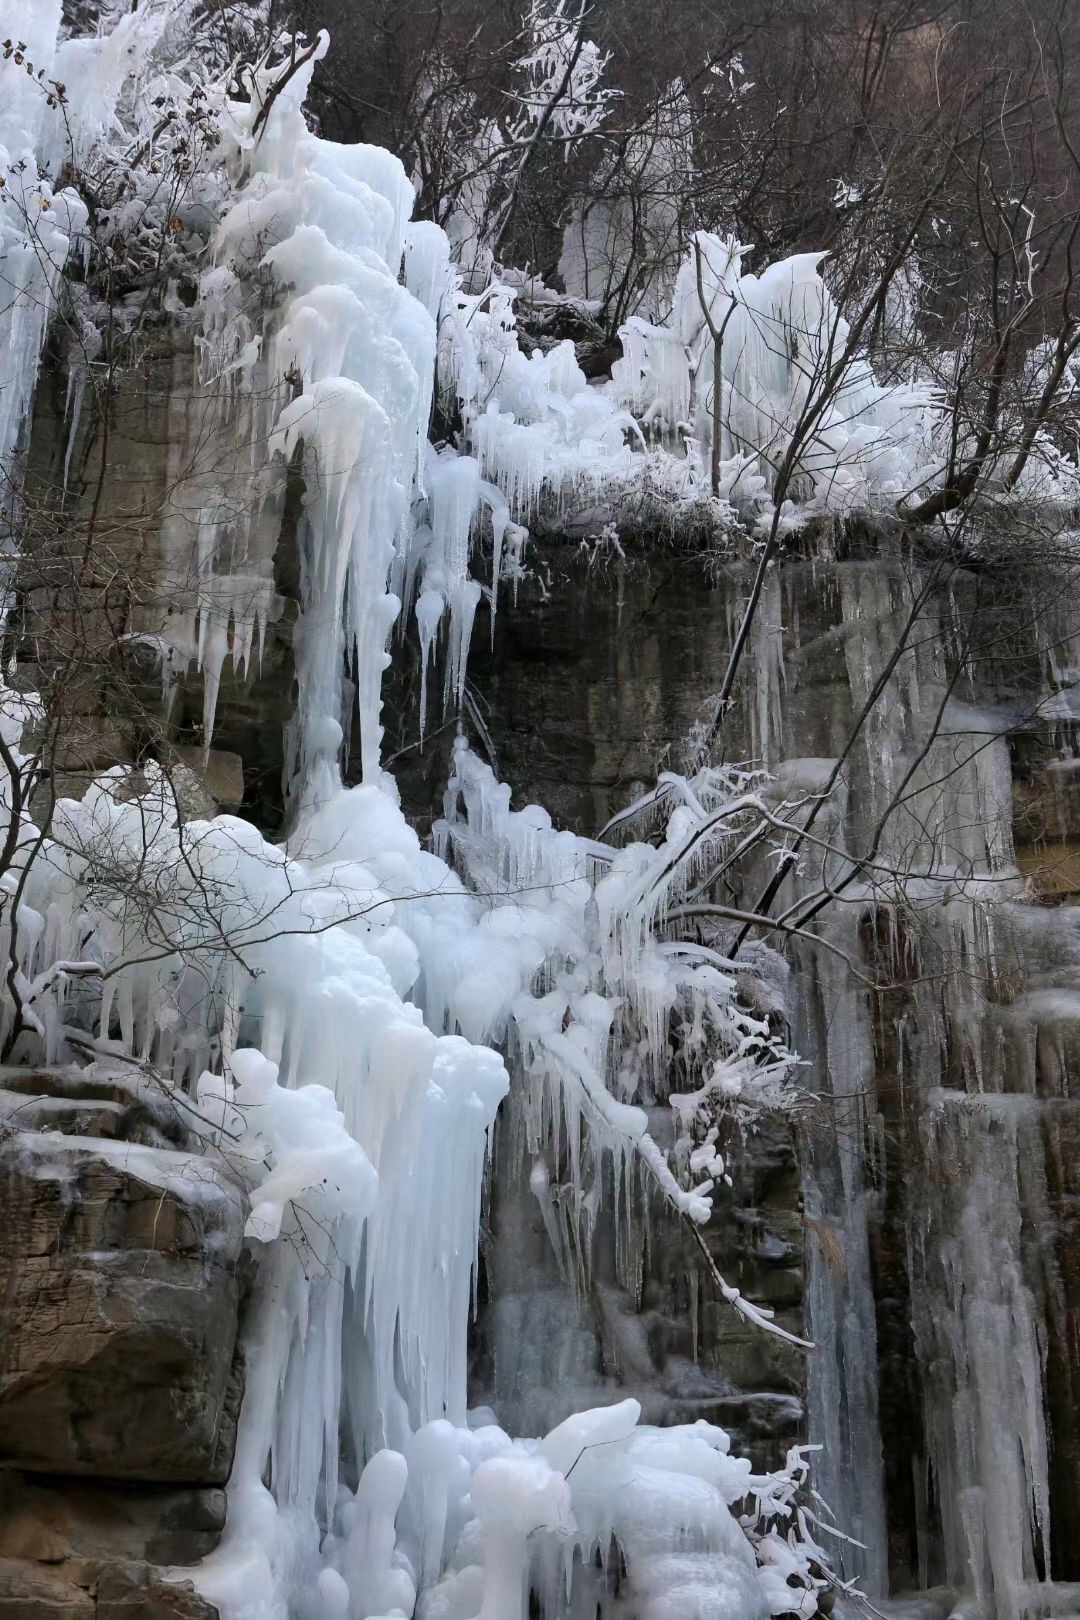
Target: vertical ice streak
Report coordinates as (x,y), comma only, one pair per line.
(37,224)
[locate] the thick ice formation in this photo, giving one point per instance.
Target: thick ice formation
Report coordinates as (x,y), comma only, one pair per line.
(536,425)
(342,378)
(790,372)
(355,1124)
(585,926)
(780,338)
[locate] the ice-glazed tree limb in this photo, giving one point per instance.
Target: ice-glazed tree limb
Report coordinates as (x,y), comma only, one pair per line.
(760,1315)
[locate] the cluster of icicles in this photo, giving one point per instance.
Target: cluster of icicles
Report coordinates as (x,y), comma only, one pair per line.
(37,223)
(398,528)
(330,1006)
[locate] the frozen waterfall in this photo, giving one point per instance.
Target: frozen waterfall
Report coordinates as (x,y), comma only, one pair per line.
(334,1078)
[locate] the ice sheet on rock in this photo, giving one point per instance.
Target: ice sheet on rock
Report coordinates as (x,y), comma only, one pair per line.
(186,1177)
(975,1315)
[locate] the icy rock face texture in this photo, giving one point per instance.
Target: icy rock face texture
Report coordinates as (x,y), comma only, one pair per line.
(936,1267)
(600,669)
(121,1592)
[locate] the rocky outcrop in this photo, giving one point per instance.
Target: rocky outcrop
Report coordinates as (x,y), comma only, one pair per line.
(121,1263)
(129,1591)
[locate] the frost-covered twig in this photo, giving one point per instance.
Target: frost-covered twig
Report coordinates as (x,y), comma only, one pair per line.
(761,1316)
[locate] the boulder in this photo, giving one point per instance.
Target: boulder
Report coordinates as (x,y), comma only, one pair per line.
(37,1592)
(119,1264)
(122,1591)
(139,1592)
(53,1519)
(221,772)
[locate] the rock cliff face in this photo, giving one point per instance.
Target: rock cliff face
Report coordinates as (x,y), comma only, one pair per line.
(920,1212)
(121,1253)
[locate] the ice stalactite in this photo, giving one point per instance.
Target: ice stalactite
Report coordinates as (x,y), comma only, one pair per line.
(37,222)
(838,1171)
(357,1123)
(605,986)
(356,352)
